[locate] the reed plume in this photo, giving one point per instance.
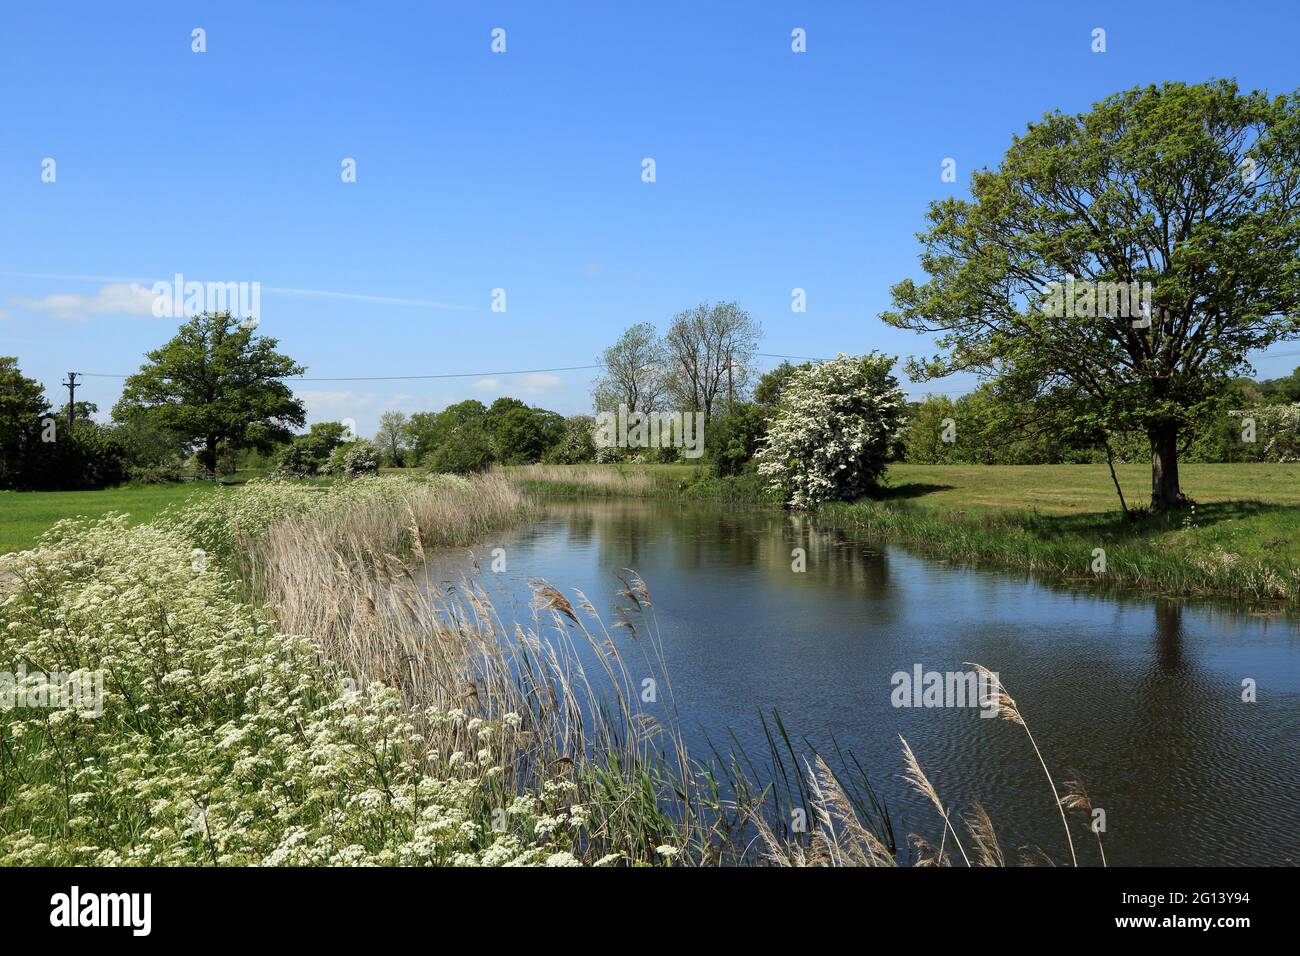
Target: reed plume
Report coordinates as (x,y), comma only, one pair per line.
(915,776)
(1009,710)
(1076,798)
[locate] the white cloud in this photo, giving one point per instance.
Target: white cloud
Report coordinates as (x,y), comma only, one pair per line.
(277,290)
(537,382)
(326,405)
(118,298)
(534,383)
(362,408)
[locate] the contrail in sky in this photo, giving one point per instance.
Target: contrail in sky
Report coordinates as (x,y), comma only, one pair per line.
(276,290)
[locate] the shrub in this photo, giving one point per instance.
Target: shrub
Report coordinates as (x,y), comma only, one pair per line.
(1277,431)
(361,459)
(577,444)
(733,437)
(833,430)
(468,449)
(353,460)
(296,460)
(309,454)
(83,458)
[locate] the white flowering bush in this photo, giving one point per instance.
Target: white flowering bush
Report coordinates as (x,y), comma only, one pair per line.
(354,459)
(833,430)
(221,739)
(1277,431)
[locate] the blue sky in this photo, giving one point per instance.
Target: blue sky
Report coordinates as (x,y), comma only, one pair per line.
(522,170)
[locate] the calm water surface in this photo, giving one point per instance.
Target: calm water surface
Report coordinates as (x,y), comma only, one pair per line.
(1141,697)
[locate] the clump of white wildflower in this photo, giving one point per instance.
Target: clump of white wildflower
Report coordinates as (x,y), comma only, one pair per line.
(223,740)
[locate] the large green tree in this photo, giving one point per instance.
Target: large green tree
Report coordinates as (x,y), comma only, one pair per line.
(1194,189)
(22,406)
(426,432)
(216,383)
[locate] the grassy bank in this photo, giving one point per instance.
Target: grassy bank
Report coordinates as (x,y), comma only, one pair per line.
(26,515)
(1241,540)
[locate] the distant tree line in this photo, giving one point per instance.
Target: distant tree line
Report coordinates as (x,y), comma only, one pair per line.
(1246,421)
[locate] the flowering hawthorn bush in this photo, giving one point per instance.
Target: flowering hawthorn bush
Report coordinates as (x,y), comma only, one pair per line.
(833,429)
(1277,429)
(222,740)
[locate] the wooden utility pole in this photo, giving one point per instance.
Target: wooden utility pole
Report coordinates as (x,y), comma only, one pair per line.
(71,383)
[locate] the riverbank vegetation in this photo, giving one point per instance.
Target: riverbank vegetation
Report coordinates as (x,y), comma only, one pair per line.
(1241,540)
(281,686)
(224,740)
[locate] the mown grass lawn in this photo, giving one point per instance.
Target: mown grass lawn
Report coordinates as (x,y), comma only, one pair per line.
(1074,489)
(1251,510)
(24,515)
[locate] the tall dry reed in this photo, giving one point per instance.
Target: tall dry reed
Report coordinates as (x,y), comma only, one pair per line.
(590,479)
(563,691)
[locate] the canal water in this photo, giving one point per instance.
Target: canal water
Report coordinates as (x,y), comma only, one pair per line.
(1139,697)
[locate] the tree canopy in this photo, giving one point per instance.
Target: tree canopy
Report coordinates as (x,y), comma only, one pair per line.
(22,405)
(216,382)
(1192,189)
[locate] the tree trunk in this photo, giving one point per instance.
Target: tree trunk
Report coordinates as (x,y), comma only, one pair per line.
(1165,493)
(210,456)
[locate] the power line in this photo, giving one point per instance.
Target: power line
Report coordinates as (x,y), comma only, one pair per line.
(397,378)
(912,392)
(447,375)
(407,378)
(801,358)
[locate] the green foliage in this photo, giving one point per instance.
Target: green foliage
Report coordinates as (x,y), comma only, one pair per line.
(216,382)
(928,424)
(733,437)
(772,383)
(309,454)
(516,433)
(467,449)
(38,451)
(391,439)
(1285,390)
(22,406)
(577,444)
(152,453)
(1191,188)
(428,431)
(522,435)
(988,428)
(83,458)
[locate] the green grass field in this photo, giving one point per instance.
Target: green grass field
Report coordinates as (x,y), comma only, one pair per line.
(25,514)
(1248,510)
(1074,489)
